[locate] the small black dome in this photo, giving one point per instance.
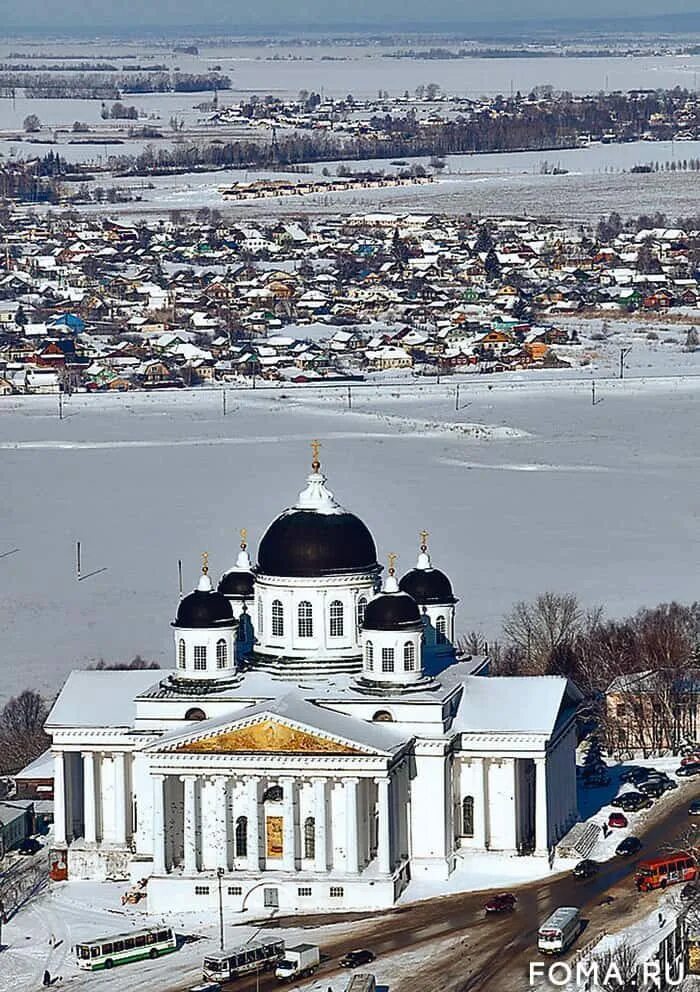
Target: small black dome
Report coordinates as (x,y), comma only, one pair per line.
(392,611)
(427,585)
(306,543)
(237,583)
(204,609)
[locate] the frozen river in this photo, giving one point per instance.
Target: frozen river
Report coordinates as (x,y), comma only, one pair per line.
(554,494)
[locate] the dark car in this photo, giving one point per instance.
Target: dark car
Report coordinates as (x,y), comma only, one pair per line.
(504,903)
(653,787)
(690,890)
(628,846)
(586,869)
(635,775)
(353,959)
(29,846)
(686,771)
(632,802)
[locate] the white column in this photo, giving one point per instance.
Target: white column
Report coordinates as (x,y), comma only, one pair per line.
(541,838)
(120,828)
(383,836)
(60,837)
(189,824)
(220,832)
(321,833)
(351,825)
(289,861)
(253,789)
(89,809)
(158,825)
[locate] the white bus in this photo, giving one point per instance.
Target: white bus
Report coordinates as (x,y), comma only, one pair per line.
(232,962)
(121,948)
(559,930)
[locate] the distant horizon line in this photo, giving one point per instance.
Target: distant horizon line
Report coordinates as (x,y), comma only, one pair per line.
(479,29)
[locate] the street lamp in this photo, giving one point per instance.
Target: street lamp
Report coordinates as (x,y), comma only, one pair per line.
(219,876)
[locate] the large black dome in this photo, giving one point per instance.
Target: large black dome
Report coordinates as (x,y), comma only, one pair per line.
(427,585)
(204,609)
(238,583)
(392,611)
(306,543)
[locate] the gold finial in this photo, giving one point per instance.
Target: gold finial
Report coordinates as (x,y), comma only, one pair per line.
(315,450)
(424,540)
(244,538)
(392,563)
(205,563)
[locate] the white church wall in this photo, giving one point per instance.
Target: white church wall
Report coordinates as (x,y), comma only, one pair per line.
(432,853)
(501,792)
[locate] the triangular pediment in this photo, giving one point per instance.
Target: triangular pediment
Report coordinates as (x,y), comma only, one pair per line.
(267,736)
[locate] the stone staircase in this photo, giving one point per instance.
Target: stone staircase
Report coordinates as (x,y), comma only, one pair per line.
(579,841)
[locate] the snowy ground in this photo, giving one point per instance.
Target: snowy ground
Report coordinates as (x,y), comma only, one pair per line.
(526,487)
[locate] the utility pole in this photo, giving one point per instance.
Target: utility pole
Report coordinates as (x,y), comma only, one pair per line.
(223,402)
(349,398)
(60,405)
(77,559)
(220,875)
(624,352)
(179,575)
(457,397)
(593,392)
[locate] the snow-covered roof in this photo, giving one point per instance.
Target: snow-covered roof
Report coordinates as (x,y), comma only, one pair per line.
(525,705)
(41,767)
(99,699)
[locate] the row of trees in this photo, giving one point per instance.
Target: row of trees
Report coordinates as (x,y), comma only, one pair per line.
(86,86)
(653,655)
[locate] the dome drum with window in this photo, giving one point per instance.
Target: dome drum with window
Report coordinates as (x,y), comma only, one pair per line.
(205,631)
(392,632)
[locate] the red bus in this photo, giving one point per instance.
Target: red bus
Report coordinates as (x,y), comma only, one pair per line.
(657,873)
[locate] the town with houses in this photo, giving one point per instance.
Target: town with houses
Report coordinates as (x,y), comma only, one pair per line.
(100,305)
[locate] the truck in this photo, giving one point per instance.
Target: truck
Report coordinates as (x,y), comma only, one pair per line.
(300,960)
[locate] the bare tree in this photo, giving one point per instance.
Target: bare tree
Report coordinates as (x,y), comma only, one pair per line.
(136,664)
(617,968)
(541,628)
(22,737)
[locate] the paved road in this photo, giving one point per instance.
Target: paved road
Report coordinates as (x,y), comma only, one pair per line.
(494,953)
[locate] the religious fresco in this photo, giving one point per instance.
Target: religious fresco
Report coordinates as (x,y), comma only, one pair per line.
(268,736)
(274,837)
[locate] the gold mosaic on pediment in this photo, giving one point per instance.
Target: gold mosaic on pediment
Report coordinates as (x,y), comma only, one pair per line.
(267,736)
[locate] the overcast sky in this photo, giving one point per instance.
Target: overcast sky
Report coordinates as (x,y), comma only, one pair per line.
(304,14)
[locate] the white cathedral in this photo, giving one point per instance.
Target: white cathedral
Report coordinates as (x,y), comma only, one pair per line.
(318,742)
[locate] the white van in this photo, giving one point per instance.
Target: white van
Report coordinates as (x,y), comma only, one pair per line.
(559,930)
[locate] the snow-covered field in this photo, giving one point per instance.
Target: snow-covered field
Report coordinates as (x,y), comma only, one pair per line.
(527,487)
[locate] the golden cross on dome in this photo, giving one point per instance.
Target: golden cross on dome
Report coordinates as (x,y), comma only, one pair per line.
(315,451)
(392,563)
(205,562)
(244,538)
(424,540)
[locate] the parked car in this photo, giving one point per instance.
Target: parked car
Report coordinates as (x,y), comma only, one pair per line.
(632,802)
(653,787)
(504,903)
(690,890)
(206,987)
(635,774)
(353,959)
(691,759)
(617,820)
(30,845)
(586,868)
(628,846)
(687,771)
(694,808)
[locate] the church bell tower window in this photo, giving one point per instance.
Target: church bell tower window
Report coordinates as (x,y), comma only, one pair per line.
(409,657)
(200,657)
(369,655)
(181,653)
(441,630)
(387,659)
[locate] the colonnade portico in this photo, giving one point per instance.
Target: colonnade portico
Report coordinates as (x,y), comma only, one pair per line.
(223,820)
(90,797)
